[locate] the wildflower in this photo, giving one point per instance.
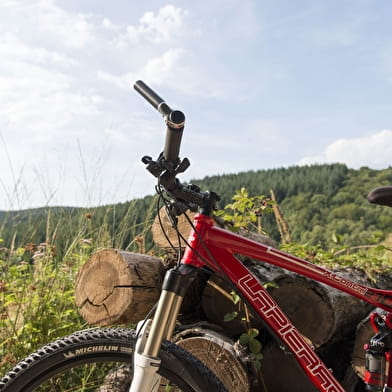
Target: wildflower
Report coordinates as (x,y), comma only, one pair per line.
(9,359)
(38,255)
(30,247)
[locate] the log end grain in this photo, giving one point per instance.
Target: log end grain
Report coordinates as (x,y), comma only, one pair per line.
(115,286)
(217,352)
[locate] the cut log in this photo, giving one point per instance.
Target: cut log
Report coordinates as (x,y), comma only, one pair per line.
(115,287)
(219,354)
(171,235)
(281,373)
(217,304)
(321,313)
(336,356)
(184,228)
(117,380)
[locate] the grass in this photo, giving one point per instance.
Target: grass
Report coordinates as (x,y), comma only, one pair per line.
(37,299)
(37,280)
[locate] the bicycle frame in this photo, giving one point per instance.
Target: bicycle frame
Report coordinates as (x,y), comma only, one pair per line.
(215,247)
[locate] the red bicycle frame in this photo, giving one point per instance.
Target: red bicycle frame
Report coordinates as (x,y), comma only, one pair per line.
(215,247)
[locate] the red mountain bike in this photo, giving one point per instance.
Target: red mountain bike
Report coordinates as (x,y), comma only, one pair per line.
(145,360)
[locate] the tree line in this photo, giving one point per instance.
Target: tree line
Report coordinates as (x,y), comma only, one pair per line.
(322,204)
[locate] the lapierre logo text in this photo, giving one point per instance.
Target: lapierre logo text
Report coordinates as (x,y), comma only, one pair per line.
(289,334)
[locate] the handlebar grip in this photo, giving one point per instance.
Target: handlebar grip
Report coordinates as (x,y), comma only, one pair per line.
(152,97)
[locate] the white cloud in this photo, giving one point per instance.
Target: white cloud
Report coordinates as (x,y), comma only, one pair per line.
(73,30)
(157,70)
(108,24)
(116,134)
(178,69)
(54,23)
(34,95)
(185,41)
(161,27)
(374,150)
(11,47)
(43,110)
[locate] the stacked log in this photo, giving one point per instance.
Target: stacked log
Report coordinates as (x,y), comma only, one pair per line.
(321,313)
(219,353)
(116,287)
(168,236)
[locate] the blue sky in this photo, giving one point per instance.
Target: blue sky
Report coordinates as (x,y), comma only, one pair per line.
(263,84)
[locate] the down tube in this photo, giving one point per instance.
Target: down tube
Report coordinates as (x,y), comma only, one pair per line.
(268,309)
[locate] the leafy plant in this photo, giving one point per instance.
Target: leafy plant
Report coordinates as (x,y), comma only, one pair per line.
(245,211)
(37,299)
(372,259)
(248,339)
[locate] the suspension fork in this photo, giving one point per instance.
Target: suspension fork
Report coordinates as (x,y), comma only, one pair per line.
(378,354)
(146,355)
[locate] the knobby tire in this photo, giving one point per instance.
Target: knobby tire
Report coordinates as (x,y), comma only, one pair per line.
(77,359)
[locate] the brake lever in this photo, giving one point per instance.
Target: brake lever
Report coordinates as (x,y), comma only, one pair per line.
(154,167)
(183,166)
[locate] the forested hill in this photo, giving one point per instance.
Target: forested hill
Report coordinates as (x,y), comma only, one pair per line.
(285,182)
(319,202)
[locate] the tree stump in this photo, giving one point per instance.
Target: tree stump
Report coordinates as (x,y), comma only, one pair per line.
(115,287)
(217,352)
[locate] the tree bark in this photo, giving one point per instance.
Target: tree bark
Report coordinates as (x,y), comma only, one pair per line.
(115,287)
(281,373)
(217,304)
(184,227)
(322,314)
(171,234)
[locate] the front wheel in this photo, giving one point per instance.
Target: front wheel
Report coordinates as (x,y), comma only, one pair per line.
(100,360)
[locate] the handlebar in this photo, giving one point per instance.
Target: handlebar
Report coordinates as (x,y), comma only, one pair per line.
(168,164)
(175,121)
